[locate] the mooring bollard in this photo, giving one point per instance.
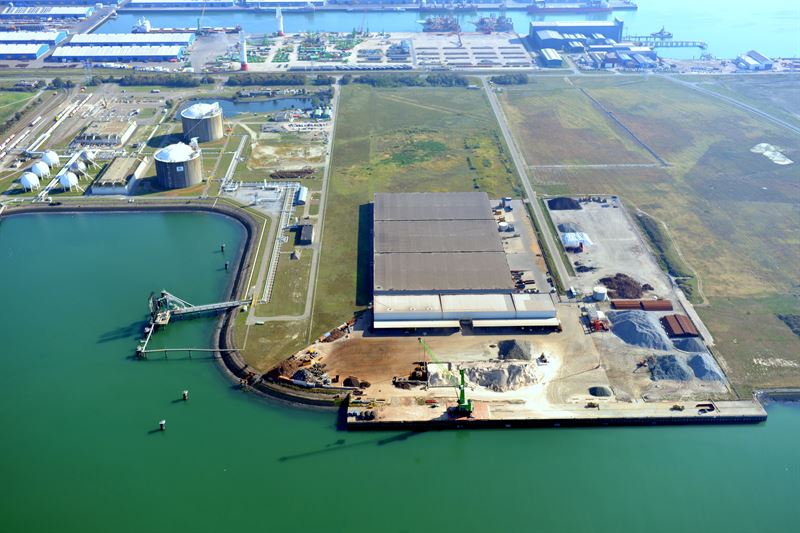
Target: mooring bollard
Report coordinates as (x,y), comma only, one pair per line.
(162,425)
(185,395)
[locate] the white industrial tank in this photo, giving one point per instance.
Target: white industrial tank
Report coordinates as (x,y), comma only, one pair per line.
(78,167)
(600,294)
(179,165)
(51,158)
(29,181)
(68,180)
(203,121)
(40,169)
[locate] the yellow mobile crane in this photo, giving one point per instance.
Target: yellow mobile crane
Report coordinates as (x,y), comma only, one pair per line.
(464,406)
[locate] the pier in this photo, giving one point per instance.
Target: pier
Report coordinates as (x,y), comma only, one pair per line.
(656,42)
(168,306)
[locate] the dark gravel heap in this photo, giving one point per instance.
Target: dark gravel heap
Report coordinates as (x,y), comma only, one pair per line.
(668,367)
(512,349)
(563,204)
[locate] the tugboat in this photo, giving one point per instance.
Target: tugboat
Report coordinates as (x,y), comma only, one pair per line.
(142,26)
(494,24)
(661,34)
(440,24)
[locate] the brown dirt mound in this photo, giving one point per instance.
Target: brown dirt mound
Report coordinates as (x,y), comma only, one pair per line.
(624,286)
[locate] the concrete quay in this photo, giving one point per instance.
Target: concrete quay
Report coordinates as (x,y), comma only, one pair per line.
(402,414)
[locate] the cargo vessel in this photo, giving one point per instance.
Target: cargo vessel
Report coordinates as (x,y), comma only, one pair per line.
(440,24)
(494,24)
(545,8)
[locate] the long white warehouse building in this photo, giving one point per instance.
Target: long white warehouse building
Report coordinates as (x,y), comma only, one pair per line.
(117,53)
(132,39)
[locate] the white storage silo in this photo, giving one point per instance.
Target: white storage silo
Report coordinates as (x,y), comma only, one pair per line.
(51,158)
(599,294)
(41,169)
(29,181)
(78,167)
(179,165)
(203,121)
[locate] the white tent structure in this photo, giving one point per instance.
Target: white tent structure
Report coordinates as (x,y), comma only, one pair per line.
(68,181)
(29,181)
(51,159)
(40,169)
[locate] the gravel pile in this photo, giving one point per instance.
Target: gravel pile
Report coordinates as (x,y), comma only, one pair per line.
(691,345)
(304,375)
(562,204)
(639,328)
(503,378)
(568,227)
(512,349)
(668,367)
(704,367)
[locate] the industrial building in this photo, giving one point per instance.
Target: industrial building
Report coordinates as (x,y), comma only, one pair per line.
(305,235)
(50,3)
(753,60)
(117,53)
(586,28)
(23,52)
(50,38)
(132,39)
(202,121)
(182,3)
(283,3)
(550,58)
(439,260)
(111,134)
(120,176)
(58,12)
(178,166)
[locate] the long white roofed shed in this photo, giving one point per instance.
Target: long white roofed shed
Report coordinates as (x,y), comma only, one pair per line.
(132,39)
(119,53)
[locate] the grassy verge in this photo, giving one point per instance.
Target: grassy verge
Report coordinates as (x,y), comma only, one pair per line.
(291,285)
(668,256)
(548,257)
(557,237)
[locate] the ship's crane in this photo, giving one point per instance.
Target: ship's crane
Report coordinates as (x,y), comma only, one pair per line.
(200,18)
(464,406)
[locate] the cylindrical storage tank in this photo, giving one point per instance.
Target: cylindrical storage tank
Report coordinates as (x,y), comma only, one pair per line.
(203,121)
(40,169)
(51,158)
(29,181)
(600,294)
(177,166)
(503,226)
(78,167)
(67,180)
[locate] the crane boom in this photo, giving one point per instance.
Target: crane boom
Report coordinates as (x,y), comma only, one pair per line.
(464,406)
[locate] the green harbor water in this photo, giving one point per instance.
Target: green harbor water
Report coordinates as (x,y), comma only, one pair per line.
(79,449)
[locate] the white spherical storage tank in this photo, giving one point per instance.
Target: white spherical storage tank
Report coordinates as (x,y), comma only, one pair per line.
(29,181)
(51,158)
(68,180)
(40,169)
(78,167)
(88,156)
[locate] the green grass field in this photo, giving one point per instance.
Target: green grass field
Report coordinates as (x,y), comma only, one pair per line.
(561,126)
(11,102)
(291,285)
(731,214)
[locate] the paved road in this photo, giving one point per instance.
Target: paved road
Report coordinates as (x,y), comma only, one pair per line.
(519,162)
(737,103)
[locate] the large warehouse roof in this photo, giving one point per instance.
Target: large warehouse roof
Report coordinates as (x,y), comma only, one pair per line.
(105,52)
(467,271)
(28,37)
(36,50)
(122,39)
(46,12)
(414,236)
(433,206)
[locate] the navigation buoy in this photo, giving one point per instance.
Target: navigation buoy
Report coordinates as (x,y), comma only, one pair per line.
(222,248)
(185,395)
(162,425)
(226,265)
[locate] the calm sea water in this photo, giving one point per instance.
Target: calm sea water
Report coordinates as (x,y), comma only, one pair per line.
(79,450)
(730,27)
